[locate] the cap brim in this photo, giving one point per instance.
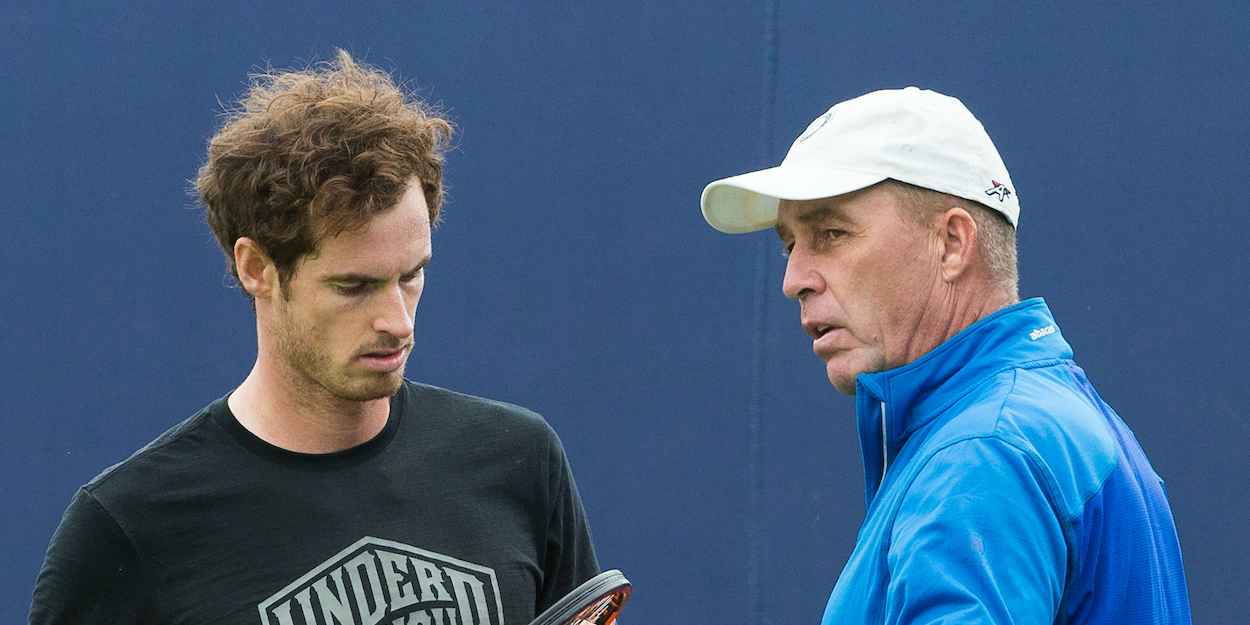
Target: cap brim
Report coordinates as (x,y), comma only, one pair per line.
(748,202)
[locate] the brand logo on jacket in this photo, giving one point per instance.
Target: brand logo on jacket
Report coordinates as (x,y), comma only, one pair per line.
(382,581)
(1040,332)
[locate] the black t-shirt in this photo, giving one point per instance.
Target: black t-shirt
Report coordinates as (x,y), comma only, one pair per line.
(461,511)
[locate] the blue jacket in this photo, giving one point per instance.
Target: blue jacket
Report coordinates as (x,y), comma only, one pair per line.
(1001,489)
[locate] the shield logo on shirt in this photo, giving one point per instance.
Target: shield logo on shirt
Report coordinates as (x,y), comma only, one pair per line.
(382,581)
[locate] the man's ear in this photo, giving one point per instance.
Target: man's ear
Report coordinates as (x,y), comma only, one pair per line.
(257,274)
(958,232)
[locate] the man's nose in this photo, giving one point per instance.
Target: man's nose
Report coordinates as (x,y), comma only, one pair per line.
(801,278)
(394,317)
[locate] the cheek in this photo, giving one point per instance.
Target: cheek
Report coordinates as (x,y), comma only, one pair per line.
(889,287)
(873,289)
(904,295)
(332,325)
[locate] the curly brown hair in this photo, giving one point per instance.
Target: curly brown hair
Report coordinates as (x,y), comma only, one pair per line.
(307,154)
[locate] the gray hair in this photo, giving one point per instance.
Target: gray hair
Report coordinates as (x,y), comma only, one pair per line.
(996,240)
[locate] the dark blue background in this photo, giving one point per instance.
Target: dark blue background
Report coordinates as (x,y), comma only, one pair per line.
(575,275)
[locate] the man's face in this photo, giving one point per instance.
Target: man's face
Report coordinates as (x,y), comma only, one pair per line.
(863,274)
(345,323)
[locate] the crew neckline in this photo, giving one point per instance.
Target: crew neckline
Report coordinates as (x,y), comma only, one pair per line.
(341,459)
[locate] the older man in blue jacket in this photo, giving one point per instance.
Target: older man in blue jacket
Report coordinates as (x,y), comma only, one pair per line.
(1001,488)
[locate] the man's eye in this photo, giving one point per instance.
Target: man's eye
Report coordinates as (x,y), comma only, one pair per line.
(350,289)
(833,234)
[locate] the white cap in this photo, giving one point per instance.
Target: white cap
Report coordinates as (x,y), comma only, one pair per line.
(915,136)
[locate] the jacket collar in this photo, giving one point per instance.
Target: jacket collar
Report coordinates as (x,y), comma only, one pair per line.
(906,398)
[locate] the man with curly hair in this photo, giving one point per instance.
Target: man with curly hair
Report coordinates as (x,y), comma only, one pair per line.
(326,488)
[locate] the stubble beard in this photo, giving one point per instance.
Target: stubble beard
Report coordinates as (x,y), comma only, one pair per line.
(312,364)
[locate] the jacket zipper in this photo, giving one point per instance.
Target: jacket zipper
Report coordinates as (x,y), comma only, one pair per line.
(885,450)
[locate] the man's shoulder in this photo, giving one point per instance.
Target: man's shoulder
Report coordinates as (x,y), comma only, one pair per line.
(167,457)
(1041,411)
(464,411)
(1021,401)
(469,433)
(1046,404)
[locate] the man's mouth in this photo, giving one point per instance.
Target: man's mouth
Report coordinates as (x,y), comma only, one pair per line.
(385,360)
(827,338)
(819,329)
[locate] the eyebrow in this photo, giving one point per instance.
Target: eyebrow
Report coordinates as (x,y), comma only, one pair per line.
(365,278)
(820,213)
(817,214)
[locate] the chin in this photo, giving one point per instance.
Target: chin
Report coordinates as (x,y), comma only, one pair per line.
(840,378)
(370,390)
(844,367)
(844,386)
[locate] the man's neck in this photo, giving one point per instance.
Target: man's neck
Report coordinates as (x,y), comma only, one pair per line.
(286,410)
(953,312)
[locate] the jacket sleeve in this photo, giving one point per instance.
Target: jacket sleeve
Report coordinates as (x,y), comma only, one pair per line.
(91,572)
(977,540)
(570,552)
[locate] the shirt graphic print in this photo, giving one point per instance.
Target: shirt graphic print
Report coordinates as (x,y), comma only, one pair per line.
(381,581)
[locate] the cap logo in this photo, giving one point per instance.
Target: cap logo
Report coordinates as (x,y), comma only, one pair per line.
(998,189)
(816,125)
